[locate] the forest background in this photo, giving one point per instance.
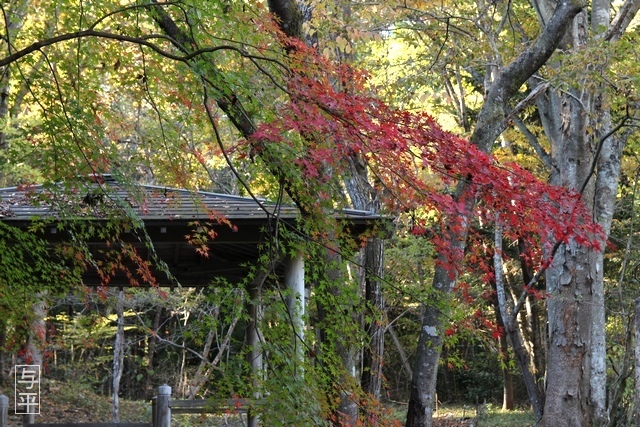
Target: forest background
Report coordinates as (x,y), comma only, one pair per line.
(500,138)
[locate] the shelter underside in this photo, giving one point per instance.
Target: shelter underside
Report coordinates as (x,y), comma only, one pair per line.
(237,230)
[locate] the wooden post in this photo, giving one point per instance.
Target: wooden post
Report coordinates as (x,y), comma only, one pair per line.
(154,409)
(4,410)
(294,279)
(28,419)
(163,411)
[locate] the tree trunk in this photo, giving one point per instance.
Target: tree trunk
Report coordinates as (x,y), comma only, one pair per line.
(14,19)
(151,352)
(512,328)
(576,365)
(118,355)
(637,358)
(570,278)
(534,334)
(490,124)
(422,395)
(508,403)
(374,352)
(364,197)
(406,366)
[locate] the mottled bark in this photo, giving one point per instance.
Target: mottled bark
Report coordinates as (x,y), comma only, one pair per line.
(570,314)
(570,278)
(603,212)
(576,386)
(490,124)
(606,189)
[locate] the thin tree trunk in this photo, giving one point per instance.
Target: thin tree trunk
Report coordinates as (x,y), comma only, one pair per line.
(3,354)
(151,350)
(373,353)
(406,366)
(118,355)
(206,367)
(508,403)
(253,341)
(512,329)
(535,331)
(637,358)
(14,19)
(617,411)
(202,374)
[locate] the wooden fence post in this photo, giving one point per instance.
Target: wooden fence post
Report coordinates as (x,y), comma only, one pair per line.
(163,411)
(154,413)
(4,410)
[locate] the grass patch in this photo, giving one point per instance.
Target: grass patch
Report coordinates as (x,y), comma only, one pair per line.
(456,415)
(496,417)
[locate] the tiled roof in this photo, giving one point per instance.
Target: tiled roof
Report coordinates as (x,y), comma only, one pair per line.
(149,202)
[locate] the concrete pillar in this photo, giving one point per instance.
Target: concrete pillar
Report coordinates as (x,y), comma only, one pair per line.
(163,410)
(296,304)
(4,410)
(253,340)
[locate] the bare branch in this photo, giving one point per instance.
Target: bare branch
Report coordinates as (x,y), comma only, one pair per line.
(622,20)
(142,41)
(599,149)
(545,158)
(490,122)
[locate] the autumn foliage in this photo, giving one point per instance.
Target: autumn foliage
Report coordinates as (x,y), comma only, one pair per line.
(333,116)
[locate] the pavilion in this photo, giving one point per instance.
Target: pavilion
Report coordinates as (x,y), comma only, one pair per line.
(241,226)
